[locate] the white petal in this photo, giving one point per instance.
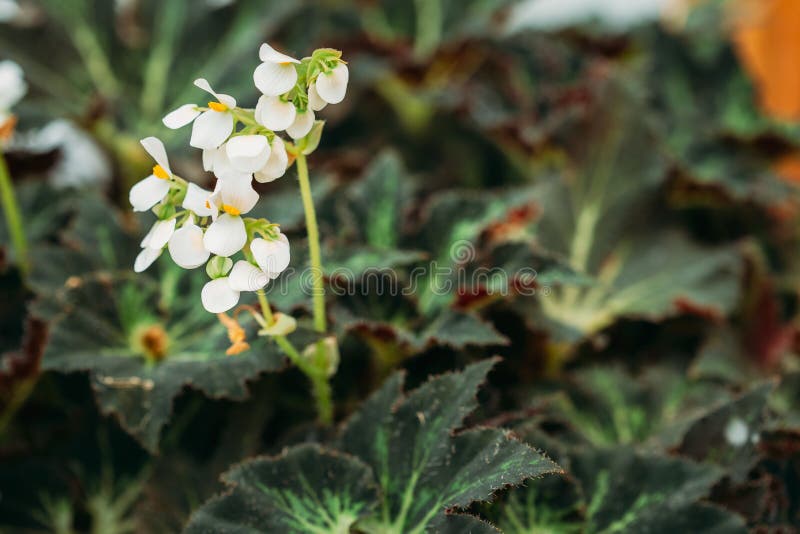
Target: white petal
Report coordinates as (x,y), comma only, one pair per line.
(186,247)
(220,163)
(228,100)
(332,86)
(247,277)
(248,153)
(211,129)
(274,79)
(208,159)
(148,192)
(12,84)
(146,258)
(198,200)
(276,164)
(268,54)
(159,234)
(272,256)
(274,113)
(155,148)
(301,125)
(236,190)
(315,101)
(181,117)
(218,296)
(226,236)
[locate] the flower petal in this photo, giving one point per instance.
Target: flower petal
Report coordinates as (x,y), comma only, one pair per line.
(274,113)
(276,164)
(248,153)
(272,256)
(247,277)
(218,296)
(302,124)
(333,85)
(155,148)
(268,54)
(159,234)
(198,200)
(236,190)
(226,236)
(148,192)
(315,101)
(274,79)
(211,129)
(186,247)
(182,116)
(228,100)
(146,258)
(208,159)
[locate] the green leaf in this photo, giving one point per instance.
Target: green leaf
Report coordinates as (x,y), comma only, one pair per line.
(306,490)
(141,355)
(728,435)
(605,405)
(628,492)
(601,215)
(709,110)
(621,491)
(422,468)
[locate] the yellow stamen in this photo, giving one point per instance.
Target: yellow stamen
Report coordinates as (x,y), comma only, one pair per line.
(218,106)
(159,172)
(231,210)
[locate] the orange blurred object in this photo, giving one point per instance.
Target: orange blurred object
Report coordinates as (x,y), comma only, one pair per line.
(767,38)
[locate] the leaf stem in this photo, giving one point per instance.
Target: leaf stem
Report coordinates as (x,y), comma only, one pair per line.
(13,218)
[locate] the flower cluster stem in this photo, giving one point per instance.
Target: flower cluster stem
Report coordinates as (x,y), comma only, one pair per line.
(319,376)
(316,374)
(318,294)
(13,218)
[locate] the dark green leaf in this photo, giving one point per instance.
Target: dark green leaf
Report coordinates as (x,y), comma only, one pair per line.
(421,467)
(305,490)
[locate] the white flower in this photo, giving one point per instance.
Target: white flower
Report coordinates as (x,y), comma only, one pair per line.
(277,74)
(315,101)
(247,277)
(272,256)
(227,235)
(153,244)
(186,246)
(12,87)
(275,113)
(276,164)
(218,296)
(152,190)
(216,160)
(198,201)
(211,127)
(302,124)
(332,86)
(248,153)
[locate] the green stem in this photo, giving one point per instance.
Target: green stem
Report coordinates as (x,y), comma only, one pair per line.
(318,294)
(320,386)
(13,218)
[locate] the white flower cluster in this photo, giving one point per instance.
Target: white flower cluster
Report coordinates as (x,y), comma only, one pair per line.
(207,227)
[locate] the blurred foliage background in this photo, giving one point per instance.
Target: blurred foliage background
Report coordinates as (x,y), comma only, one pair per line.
(643,160)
